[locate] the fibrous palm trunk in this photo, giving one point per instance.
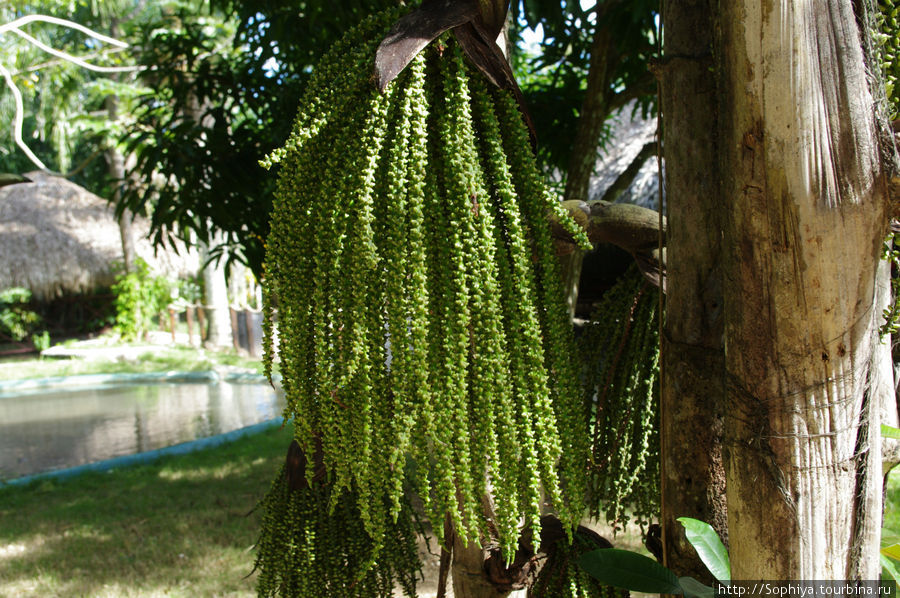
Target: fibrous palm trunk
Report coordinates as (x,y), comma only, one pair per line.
(804,223)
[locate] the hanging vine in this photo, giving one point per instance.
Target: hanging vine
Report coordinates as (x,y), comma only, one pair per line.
(419,309)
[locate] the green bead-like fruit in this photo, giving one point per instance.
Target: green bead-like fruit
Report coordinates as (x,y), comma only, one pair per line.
(416,299)
(621,350)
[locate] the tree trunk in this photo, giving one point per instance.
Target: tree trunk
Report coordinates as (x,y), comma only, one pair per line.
(215,282)
(805,220)
(583,160)
(693,477)
(116,169)
(469,579)
(593,115)
(216,300)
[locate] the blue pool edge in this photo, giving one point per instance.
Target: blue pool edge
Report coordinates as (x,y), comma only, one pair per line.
(147,456)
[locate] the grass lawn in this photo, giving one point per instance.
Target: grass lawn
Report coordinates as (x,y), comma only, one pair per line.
(178,527)
(154,359)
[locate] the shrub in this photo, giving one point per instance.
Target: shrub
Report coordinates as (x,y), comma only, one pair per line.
(140,295)
(16,320)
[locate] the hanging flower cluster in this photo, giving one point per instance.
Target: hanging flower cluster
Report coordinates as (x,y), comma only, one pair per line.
(621,350)
(561,576)
(419,306)
(313,544)
(887,20)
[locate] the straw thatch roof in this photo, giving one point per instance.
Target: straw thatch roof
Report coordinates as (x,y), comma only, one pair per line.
(630,131)
(57,238)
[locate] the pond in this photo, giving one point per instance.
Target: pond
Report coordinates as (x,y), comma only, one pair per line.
(58,426)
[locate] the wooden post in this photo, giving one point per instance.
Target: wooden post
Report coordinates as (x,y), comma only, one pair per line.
(189,317)
(248,318)
(234,328)
(172,322)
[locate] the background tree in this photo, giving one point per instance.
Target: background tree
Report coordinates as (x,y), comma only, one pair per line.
(62,96)
(226,77)
(63,68)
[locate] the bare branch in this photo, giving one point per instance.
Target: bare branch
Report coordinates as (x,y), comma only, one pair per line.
(13,26)
(631,227)
(70,58)
(56,62)
(63,22)
(19,117)
(645,85)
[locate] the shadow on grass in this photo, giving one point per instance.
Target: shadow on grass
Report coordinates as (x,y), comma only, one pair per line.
(179,527)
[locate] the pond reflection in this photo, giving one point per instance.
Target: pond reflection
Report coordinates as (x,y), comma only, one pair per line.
(46,429)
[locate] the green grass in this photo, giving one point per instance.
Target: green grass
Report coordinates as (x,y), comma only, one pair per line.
(178,527)
(159,359)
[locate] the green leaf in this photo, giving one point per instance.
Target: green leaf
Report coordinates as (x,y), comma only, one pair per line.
(892,551)
(889,568)
(890,431)
(629,570)
(889,536)
(695,589)
(709,547)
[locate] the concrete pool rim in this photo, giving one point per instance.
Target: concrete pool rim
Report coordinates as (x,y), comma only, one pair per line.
(11,387)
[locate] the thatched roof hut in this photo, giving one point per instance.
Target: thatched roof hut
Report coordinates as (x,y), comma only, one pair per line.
(57,238)
(630,133)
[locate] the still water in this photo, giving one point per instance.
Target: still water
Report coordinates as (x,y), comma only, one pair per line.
(46,429)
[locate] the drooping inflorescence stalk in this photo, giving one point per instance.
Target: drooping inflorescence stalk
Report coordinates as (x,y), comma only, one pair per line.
(561,575)
(620,348)
(417,299)
(313,544)
(887,35)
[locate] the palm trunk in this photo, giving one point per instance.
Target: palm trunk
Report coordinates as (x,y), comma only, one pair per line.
(216,298)
(803,234)
(116,170)
(469,579)
(693,478)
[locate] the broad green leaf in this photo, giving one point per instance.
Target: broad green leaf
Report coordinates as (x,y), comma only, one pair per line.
(892,551)
(694,589)
(890,431)
(889,568)
(630,570)
(709,547)
(889,536)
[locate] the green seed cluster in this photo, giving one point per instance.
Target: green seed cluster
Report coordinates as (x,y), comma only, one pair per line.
(621,350)
(887,20)
(562,577)
(891,314)
(313,544)
(419,306)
